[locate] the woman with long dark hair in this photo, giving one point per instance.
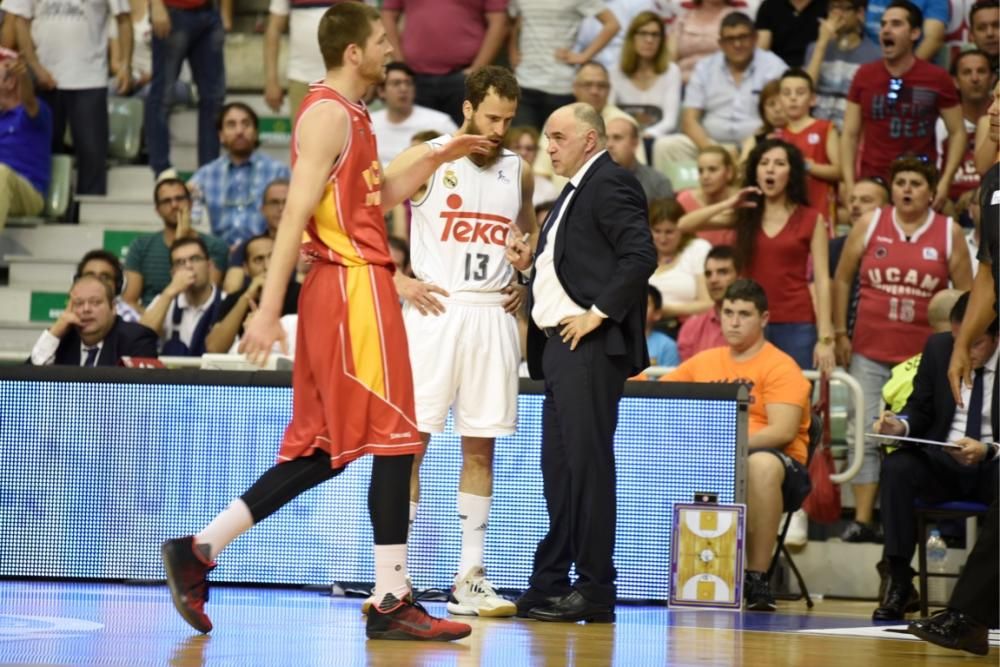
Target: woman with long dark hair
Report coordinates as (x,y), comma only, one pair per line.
(781,243)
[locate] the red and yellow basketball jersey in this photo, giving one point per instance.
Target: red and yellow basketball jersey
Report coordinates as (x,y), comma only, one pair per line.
(347,227)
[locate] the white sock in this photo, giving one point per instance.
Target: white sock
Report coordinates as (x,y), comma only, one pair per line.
(229,524)
(390,571)
(474,513)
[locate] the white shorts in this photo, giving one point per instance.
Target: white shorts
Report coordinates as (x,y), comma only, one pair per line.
(467,359)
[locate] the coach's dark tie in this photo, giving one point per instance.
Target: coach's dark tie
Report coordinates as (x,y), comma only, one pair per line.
(553,216)
(974,420)
(91,356)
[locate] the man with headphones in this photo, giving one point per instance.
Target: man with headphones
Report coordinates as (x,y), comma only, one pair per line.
(89,333)
(107,268)
(231,187)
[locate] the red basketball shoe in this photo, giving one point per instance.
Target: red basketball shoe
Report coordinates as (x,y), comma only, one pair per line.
(186,576)
(408,620)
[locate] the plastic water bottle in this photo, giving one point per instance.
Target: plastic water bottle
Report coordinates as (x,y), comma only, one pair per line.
(937,552)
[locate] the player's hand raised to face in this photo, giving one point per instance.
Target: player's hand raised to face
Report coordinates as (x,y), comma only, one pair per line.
(463,145)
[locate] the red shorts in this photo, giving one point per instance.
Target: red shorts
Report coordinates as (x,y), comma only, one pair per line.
(352,385)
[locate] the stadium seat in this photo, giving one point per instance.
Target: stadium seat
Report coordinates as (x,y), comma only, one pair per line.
(60,186)
(124,128)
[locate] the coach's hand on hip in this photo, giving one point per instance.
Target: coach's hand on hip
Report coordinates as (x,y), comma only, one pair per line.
(575,328)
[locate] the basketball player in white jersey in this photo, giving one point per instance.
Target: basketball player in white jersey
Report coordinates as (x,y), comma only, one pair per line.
(460,315)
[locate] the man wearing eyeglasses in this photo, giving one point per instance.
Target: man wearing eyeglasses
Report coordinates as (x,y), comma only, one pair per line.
(147,263)
(185,310)
(894,103)
(88,333)
(720,101)
(592,85)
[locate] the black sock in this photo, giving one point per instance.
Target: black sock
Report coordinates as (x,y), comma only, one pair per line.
(900,573)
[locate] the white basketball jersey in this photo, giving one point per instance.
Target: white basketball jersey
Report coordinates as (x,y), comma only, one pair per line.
(458,231)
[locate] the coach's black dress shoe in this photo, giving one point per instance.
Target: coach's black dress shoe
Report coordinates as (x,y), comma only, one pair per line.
(953,629)
(534,599)
(573,608)
(899,600)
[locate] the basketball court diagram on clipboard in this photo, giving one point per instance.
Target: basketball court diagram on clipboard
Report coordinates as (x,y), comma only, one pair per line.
(706,560)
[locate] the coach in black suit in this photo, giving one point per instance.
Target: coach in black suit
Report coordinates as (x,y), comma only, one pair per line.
(89,333)
(586,337)
(935,474)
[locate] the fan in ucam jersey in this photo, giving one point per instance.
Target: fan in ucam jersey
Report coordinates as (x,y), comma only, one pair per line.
(464,299)
(906,253)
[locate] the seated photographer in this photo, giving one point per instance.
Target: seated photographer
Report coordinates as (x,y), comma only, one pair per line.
(930,473)
(777,480)
(88,333)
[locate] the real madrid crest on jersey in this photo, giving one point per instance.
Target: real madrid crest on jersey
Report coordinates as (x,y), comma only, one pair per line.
(450,179)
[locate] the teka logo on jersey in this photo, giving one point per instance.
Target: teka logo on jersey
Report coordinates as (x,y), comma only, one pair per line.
(472,227)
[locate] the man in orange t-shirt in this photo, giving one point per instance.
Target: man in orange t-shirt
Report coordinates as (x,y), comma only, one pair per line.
(777,480)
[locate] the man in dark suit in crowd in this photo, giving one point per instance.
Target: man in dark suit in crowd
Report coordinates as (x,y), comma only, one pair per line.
(89,333)
(937,474)
(586,336)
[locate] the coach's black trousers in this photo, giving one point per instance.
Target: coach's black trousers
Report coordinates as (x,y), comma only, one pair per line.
(976,591)
(579,416)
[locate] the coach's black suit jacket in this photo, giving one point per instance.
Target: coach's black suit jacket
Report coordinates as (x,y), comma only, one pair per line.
(603,257)
(126,339)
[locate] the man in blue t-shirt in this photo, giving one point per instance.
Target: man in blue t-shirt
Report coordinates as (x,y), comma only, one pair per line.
(25,141)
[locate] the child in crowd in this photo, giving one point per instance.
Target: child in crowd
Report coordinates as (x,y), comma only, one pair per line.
(817,140)
(772,116)
(662,348)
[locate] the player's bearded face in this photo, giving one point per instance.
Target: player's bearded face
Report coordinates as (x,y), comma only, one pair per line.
(497,146)
(492,119)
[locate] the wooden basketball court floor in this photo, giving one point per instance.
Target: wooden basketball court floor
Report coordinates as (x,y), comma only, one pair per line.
(52,623)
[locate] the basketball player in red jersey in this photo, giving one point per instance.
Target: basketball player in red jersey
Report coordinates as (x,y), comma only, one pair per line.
(352,384)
